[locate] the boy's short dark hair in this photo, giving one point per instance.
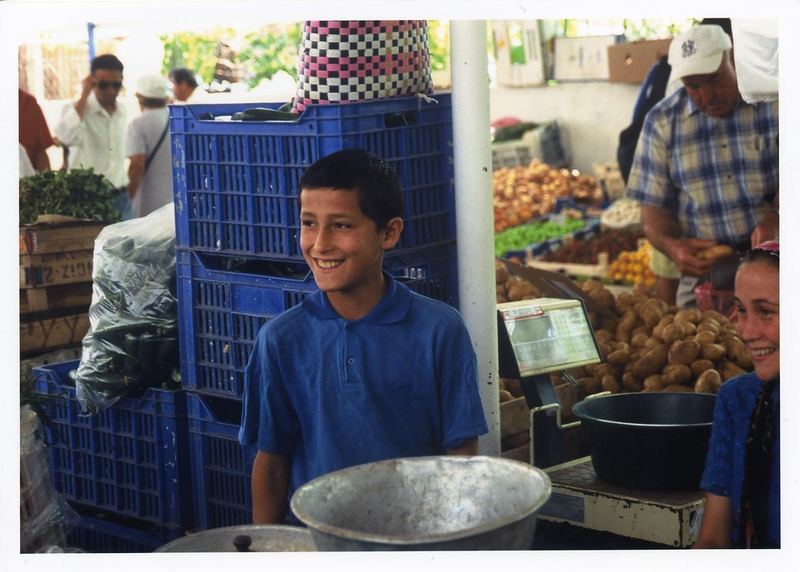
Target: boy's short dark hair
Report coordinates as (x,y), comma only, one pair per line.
(106,62)
(183,75)
(380,195)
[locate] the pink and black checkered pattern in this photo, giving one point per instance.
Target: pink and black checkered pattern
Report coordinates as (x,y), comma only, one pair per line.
(345,61)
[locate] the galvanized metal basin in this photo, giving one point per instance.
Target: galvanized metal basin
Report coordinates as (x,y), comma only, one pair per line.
(245,538)
(424,503)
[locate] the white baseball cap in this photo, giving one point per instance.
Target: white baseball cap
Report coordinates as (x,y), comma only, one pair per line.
(698,51)
(152,87)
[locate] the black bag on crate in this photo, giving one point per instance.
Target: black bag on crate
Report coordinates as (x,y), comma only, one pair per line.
(132,343)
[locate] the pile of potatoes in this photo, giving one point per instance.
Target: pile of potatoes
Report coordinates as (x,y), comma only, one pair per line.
(512,288)
(650,346)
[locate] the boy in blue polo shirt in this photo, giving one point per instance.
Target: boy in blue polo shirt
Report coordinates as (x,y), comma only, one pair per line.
(363,369)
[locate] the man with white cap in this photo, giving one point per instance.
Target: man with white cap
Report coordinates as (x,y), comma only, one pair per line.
(706,165)
(150,170)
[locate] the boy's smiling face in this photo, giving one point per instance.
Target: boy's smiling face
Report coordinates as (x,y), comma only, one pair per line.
(344,248)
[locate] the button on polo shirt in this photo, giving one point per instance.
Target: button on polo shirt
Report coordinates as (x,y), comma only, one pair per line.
(399,382)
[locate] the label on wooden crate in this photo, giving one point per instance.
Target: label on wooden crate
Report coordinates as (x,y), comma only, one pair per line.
(53,332)
(37,270)
(62,237)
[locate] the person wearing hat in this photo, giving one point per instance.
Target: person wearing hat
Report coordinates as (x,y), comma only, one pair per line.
(706,165)
(150,170)
(93,127)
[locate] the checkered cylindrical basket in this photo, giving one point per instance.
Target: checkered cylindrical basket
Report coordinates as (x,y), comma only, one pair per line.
(345,61)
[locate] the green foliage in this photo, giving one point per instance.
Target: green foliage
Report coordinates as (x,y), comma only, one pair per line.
(439,44)
(79,193)
(270,51)
(263,52)
(193,51)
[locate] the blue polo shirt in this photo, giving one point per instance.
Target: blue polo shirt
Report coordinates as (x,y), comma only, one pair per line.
(724,470)
(333,393)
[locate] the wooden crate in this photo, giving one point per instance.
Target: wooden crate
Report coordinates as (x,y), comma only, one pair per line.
(514,417)
(521,453)
(41,334)
(55,297)
(37,270)
(58,237)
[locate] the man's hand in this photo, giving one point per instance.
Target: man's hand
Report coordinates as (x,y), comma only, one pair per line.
(767,229)
(683,252)
(87,84)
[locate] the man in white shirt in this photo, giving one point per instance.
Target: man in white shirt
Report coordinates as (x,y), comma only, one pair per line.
(94,126)
(148,144)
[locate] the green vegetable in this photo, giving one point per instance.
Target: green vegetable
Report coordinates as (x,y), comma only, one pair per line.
(80,193)
(518,237)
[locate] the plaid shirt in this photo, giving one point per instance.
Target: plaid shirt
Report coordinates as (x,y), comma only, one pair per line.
(718,176)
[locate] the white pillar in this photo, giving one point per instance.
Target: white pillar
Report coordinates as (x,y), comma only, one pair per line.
(474,211)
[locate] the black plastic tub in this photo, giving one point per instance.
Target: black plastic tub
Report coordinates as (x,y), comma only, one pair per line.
(649,441)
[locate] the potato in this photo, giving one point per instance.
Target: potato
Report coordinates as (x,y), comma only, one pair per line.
(664,322)
(604,335)
(591,284)
(705,337)
(604,369)
(638,339)
(650,362)
(609,322)
(653,343)
(653,383)
(692,315)
(500,298)
(683,352)
(622,334)
(741,357)
(500,272)
(609,383)
(505,396)
(700,365)
(708,326)
(714,352)
(714,315)
(689,329)
(672,333)
(728,369)
(590,369)
(619,357)
(716,252)
(708,382)
(628,320)
(620,346)
(631,383)
(603,297)
(514,387)
(676,373)
(605,348)
(640,329)
(678,388)
(590,385)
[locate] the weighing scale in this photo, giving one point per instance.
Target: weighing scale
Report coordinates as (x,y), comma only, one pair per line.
(545,335)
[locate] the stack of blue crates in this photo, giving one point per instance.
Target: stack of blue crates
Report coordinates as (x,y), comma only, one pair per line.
(125,470)
(238,258)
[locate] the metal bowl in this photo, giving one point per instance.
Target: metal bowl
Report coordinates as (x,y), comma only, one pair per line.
(245,538)
(424,503)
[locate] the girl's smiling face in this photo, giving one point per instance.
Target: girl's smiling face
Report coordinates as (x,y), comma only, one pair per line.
(758,315)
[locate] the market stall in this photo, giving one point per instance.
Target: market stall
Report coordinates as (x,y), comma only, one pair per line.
(569,322)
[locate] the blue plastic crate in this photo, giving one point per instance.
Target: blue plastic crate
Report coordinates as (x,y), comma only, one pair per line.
(221,467)
(236,182)
(220,311)
(131,459)
(102,534)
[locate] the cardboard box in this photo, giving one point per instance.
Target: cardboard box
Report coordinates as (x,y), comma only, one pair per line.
(630,62)
(518,51)
(582,58)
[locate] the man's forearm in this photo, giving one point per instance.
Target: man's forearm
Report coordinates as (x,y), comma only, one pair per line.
(270,487)
(660,227)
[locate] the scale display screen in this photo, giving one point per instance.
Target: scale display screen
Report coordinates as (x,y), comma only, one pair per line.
(548,334)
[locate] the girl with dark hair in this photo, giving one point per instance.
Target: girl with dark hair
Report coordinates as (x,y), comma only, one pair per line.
(742,473)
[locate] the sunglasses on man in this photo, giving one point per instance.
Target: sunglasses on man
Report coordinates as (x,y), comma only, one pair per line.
(106,84)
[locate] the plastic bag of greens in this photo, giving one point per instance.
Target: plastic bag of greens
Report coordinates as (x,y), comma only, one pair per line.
(132,343)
